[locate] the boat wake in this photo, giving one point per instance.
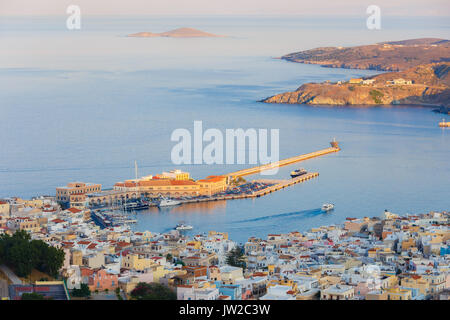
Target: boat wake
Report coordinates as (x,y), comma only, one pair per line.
(303,214)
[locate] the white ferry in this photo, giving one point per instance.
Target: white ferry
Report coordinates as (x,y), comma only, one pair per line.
(182,226)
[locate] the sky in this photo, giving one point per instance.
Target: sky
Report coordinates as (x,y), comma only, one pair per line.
(210,7)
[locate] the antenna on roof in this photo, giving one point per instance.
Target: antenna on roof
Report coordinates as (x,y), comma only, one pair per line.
(135,169)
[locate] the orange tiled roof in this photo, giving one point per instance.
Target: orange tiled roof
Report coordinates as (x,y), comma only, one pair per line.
(163,182)
(212,179)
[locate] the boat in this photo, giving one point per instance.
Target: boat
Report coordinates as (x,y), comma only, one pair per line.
(327,207)
(298,172)
(182,226)
(165,202)
(141,205)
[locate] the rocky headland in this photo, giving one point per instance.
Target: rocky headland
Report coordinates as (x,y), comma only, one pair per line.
(419,75)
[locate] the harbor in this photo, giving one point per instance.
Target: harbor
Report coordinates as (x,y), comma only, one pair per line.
(163,190)
(106,218)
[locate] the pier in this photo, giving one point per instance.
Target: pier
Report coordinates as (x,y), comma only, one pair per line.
(444,124)
(245,172)
(272,184)
(281,184)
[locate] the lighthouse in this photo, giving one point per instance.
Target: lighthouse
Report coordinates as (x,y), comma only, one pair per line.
(334,143)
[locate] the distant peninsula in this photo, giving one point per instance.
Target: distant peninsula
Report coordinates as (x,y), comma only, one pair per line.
(419,75)
(176,33)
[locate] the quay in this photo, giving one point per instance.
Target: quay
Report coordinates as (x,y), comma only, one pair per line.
(281,184)
(245,172)
(176,184)
(444,124)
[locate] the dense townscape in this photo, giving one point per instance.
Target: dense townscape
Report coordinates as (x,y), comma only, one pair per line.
(390,257)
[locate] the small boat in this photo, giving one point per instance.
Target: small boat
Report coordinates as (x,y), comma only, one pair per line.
(298,172)
(327,207)
(182,226)
(167,202)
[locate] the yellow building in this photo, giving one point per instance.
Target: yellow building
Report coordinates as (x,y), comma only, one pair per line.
(377,295)
(74,193)
(223,235)
(175,175)
(194,244)
(355,80)
(398,294)
(436,282)
(128,286)
(416,282)
(212,185)
(407,244)
(76,258)
(4,208)
(136,262)
(24,223)
(159,272)
(175,183)
(169,188)
(283,282)
(388,281)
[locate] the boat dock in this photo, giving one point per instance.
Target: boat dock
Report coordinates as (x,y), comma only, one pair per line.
(444,124)
(245,172)
(281,184)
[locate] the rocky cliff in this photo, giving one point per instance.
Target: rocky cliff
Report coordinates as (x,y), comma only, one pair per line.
(430,85)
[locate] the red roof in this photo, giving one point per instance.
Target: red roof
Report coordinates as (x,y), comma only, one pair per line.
(123,244)
(74,210)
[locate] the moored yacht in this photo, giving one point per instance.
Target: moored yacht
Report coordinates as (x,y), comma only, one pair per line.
(165,202)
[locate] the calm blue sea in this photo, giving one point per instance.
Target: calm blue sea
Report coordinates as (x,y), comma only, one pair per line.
(84,105)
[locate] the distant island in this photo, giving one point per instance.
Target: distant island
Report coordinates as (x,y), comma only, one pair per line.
(176,33)
(419,75)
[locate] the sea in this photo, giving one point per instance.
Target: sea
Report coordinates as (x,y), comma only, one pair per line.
(84,105)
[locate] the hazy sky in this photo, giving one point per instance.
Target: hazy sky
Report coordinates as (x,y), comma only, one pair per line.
(147,7)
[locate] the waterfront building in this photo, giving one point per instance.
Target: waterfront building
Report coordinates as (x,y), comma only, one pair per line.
(175,175)
(74,194)
(212,185)
(169,188)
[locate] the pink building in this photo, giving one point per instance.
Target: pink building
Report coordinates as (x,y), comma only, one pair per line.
(100,279)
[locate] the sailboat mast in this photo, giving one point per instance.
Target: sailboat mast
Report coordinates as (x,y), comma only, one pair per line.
(135,170)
